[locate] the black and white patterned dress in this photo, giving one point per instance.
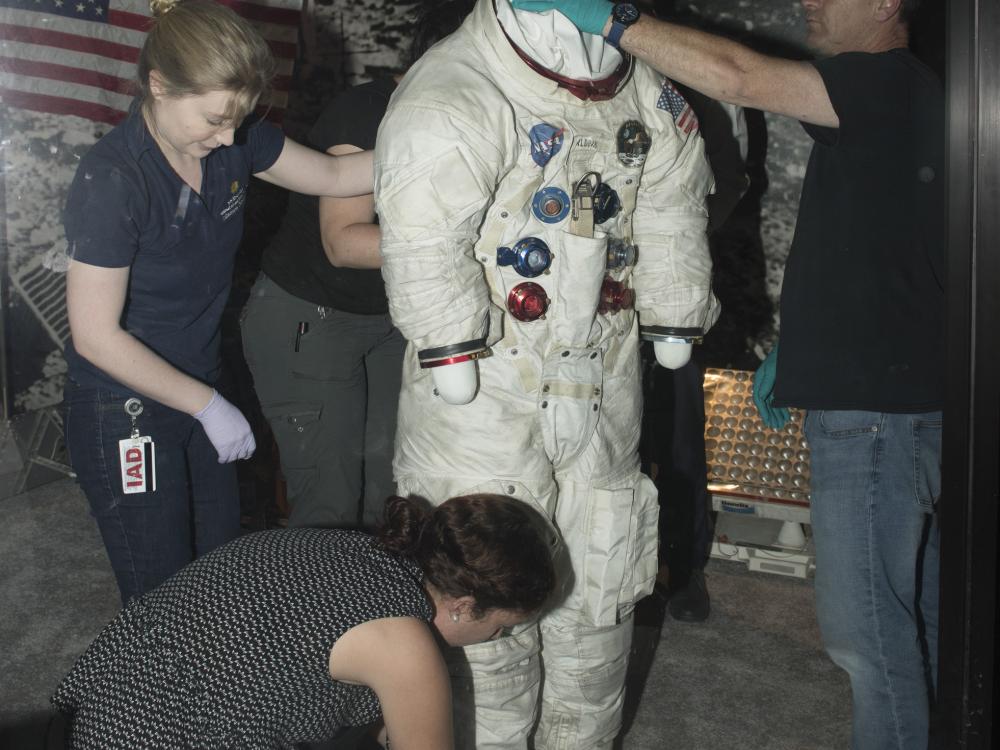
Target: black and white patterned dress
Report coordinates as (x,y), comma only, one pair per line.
(233,651)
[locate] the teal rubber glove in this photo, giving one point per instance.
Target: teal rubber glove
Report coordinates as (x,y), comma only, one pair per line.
(589,16)
(773,416)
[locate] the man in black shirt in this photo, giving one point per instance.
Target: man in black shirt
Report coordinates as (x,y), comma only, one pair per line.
(862,315)
(325,356)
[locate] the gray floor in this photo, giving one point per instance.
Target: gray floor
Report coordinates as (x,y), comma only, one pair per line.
(753,676)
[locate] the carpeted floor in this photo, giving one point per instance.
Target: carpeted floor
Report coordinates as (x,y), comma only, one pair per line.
(752,677)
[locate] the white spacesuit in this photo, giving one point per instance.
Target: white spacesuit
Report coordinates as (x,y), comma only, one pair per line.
(523,219)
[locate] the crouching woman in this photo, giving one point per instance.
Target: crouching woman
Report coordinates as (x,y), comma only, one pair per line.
(286,636)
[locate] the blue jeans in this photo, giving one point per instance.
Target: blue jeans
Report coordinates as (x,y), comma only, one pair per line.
(150,536)
(875,481)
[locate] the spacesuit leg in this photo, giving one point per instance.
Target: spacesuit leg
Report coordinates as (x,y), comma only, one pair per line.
(494,689)
(585,670)
(611,538)
(495,685)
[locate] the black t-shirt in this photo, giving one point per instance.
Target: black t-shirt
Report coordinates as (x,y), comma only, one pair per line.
(295,259)
(862,307)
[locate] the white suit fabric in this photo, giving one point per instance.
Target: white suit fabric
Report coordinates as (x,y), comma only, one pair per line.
(556,418)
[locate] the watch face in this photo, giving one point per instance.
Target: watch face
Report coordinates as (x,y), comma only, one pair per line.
(625,13)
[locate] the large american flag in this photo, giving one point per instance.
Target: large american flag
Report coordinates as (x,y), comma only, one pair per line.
(78,57)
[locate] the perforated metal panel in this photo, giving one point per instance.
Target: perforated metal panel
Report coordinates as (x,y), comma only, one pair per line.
(745,458)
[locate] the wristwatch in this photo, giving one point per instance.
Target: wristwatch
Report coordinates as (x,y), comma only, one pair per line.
(623,15)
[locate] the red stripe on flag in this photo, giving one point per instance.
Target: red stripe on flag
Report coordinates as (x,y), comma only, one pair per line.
(286,50)
(282,83)
(56,72)
(72,42)
(687,121)
(61,106)
(127,20)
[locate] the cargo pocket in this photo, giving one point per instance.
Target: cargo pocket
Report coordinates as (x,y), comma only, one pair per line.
(296,426)
(644,550)
(607,555)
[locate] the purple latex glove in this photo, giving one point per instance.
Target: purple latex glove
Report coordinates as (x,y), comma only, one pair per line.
(227,428)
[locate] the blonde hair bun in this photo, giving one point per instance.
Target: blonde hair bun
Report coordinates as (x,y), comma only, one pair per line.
(161,7)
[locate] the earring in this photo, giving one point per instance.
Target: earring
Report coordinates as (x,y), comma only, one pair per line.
(454,616)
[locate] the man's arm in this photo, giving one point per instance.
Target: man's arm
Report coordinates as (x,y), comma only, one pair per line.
(716,66)
(347,226)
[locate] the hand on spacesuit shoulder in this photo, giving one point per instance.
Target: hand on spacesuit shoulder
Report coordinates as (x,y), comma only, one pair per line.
(589,16)
(672,355)
(773,416)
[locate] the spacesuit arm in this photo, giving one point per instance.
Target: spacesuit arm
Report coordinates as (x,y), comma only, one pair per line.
(673,277)
(435,177)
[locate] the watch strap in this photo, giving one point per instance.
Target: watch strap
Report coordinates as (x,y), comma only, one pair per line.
(623,15)
(614,36)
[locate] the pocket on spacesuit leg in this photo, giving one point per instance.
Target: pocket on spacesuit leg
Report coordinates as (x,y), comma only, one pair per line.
(643,562)
(609,523)
(619,564)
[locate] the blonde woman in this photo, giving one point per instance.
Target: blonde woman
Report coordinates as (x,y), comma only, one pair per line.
(153,220)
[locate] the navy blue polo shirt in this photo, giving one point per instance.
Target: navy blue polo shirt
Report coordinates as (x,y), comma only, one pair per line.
(127,207)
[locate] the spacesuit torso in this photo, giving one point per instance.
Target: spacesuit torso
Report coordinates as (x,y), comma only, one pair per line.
(529,234)
(479,153)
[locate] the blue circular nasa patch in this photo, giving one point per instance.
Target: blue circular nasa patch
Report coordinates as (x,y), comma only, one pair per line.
(546,141)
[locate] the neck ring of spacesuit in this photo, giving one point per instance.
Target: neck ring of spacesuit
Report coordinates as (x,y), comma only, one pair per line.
(595,91)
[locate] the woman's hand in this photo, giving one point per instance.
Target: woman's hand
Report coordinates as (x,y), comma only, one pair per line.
(227,429)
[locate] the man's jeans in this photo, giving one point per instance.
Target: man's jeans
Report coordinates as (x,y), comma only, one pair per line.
(875,481)
(149,536)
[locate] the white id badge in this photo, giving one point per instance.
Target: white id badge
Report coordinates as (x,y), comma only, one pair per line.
(138,464)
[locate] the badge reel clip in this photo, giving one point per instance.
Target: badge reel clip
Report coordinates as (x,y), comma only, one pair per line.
(582,214)
(137,454)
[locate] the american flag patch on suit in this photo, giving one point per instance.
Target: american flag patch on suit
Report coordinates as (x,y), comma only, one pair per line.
(672,101)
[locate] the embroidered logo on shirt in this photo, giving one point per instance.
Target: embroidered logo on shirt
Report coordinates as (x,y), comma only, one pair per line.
(672,101)
(235,203)
(546,141)
(234,187)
